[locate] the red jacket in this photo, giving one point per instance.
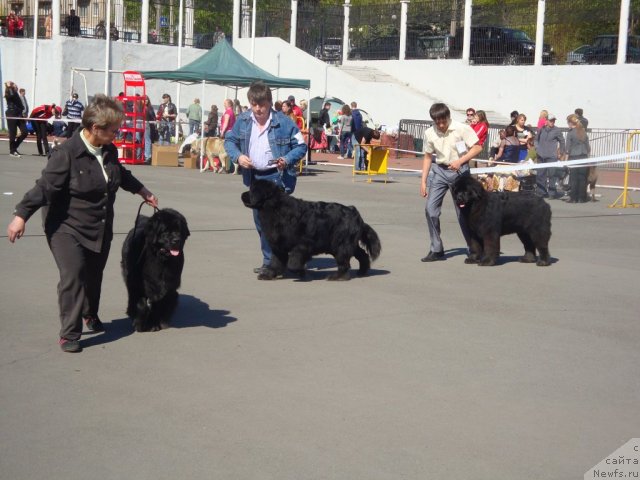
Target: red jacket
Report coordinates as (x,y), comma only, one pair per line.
(44,111)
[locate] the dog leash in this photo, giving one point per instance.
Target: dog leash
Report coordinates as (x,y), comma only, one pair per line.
(135,229)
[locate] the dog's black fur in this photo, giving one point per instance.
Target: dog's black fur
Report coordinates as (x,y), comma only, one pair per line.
(297,229)
(152,262)
(491,215)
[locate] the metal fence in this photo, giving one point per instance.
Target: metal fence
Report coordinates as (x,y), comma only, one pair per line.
(603,141)
(501,32)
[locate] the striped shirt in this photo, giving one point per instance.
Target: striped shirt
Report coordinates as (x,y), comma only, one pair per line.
(74,108)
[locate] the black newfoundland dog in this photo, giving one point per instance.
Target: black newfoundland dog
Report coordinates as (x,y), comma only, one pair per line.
(152,262)
(297,229)
(490,215)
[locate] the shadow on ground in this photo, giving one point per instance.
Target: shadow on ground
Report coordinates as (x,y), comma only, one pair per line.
(191,312)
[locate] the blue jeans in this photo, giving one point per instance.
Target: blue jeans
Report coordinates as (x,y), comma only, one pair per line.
(264,244)
(345,144)
(147,143)
(360,155)
(194,126)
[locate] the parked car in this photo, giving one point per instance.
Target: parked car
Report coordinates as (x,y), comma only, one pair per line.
(501,45)
(437,46)
(604,49)
(576,57)
(386,48)
(330,50)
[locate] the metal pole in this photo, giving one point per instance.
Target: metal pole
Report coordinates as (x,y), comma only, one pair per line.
(34,65)
(345,33)
(107,49)
(253,31)
(294,22)
(180,22)
(236,21)
(623,31)
(144,28)
(537,59)
(466,39)
(403,29)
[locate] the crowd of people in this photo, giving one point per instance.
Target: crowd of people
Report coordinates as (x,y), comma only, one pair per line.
(544,143)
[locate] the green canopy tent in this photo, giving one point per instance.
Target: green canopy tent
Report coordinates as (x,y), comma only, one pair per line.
(223,65)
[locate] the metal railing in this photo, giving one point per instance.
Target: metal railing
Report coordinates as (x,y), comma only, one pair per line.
(603,141)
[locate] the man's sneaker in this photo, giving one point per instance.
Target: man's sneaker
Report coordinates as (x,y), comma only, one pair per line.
(15,154)
(340,157)
(93,324)
(433,256)
(70,346)
(259,269)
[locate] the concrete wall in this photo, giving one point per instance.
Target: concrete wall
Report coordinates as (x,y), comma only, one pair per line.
(608,94)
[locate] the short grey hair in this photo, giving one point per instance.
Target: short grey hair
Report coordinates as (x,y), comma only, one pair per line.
(102,112)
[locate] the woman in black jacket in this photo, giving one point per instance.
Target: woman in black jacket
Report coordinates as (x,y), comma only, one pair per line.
(77,191)
(14,109)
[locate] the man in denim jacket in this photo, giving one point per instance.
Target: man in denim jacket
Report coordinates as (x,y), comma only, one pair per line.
(267,145)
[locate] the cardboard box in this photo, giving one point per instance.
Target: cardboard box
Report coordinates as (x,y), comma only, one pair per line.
(191,161)
(164,155)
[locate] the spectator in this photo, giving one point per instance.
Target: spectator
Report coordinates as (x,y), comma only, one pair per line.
(150,129)
(550,146)
(453,144)
(59,127)
(577,148)
(14,118)
(237,108)
(15,25)
(523,134)
(228,118)
(288,111)
(166,117)
(480,125)
(495,145)
(79,220)
(73,109)
(363,136)
(579,113)
(211,124)
(295,108)
(277,106)
(275,148)
(72,24)
(25,104)
(324,120)
(345,124)
(509,150)
(42,113)
(194,114)
(514,117)
(356,117)
(542,119)
(303,108)
(48,25)
(218,35)
(471,113)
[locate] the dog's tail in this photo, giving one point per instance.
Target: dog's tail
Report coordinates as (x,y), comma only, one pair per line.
(369,238)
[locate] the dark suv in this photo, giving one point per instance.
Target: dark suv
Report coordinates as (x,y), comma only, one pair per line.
(386,48)
(605,49)
(330,50)
(501,45)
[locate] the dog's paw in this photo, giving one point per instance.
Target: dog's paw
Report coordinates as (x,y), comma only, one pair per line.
(543,263)
(527,258)
(487,262)
(470,260)
(339,277)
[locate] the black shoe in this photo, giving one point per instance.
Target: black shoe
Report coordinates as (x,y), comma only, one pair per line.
(259,269)
(93,324)
(433,256)
(70,346)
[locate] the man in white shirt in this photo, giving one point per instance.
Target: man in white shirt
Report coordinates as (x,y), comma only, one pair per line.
(453,144)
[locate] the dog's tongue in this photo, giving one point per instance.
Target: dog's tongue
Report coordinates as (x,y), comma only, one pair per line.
(174,252)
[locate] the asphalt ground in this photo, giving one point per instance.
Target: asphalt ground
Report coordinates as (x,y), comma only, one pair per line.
(440,370)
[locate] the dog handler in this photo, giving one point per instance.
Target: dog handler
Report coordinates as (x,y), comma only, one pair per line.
(267,145)
(453,144)
(77,191)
